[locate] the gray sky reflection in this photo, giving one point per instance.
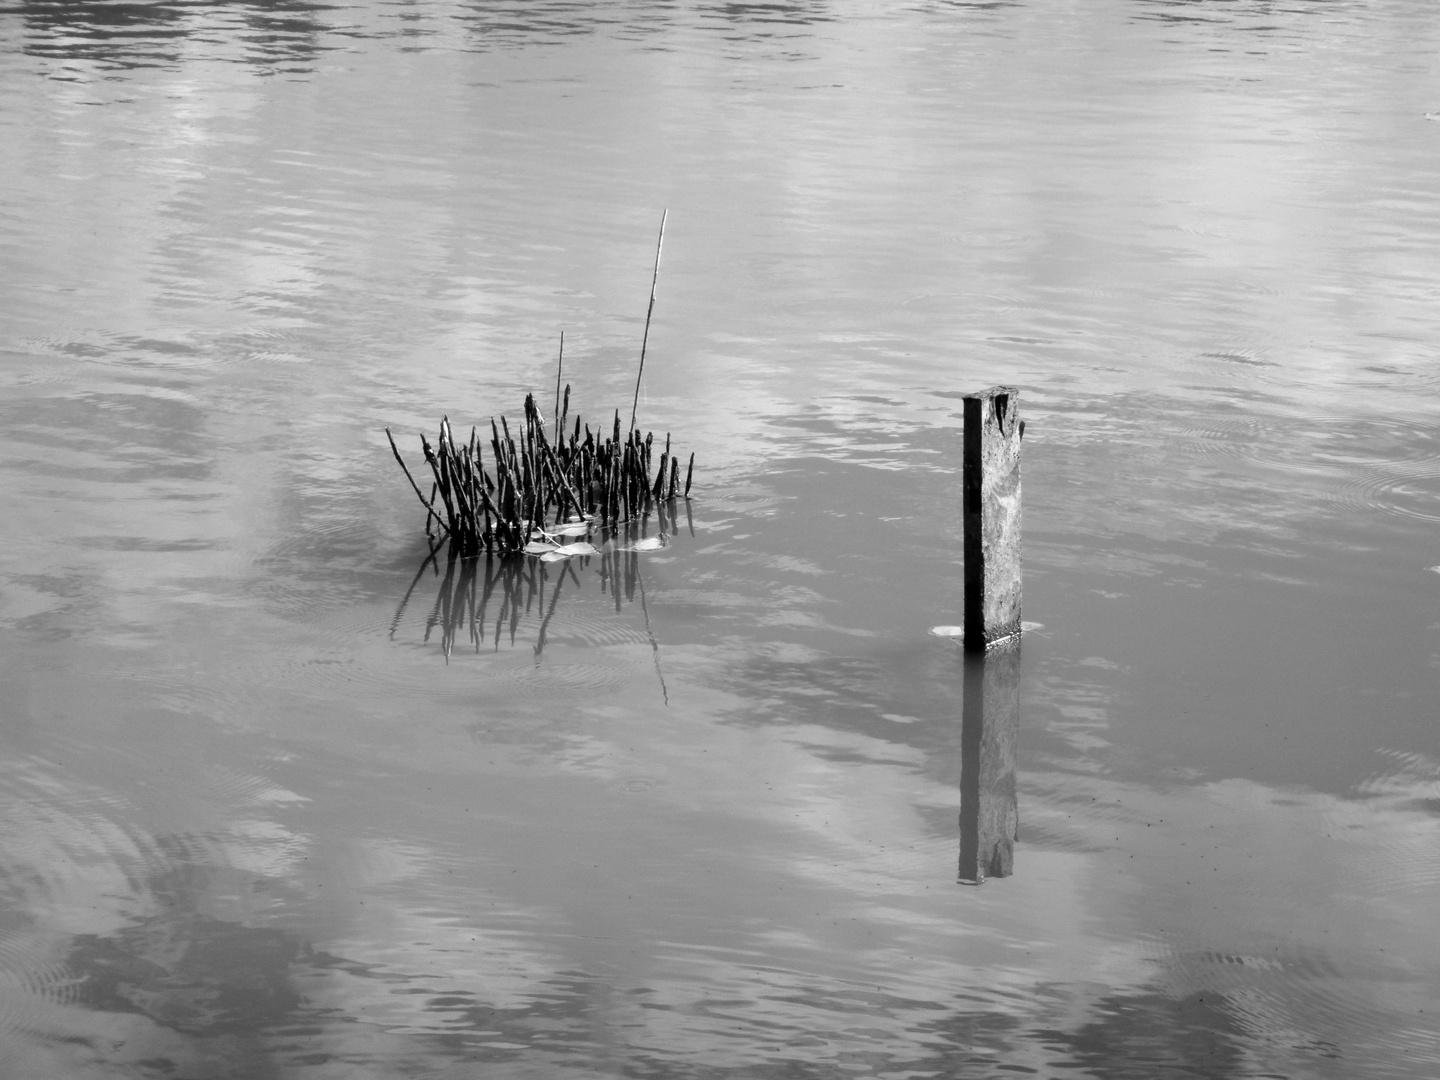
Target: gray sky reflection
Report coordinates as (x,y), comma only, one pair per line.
(696,814)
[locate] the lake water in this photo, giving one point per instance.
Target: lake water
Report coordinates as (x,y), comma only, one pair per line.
(276,807)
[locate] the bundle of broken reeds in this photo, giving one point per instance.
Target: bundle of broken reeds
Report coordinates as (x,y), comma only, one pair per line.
(541,487)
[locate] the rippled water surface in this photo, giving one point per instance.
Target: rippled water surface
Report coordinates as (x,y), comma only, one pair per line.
(283,801)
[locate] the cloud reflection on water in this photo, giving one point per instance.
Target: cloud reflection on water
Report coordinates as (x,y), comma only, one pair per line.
(1208,267)
(477,971)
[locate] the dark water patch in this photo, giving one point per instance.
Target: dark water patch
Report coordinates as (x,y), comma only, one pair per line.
(1148,1036)
(124,35)
(272,35)
(147,544)
(116,437)
(1242,367)
(975,5)
(1246,23)
(332,559)
(197,975)
(501,25)
(52,608)
(77,344)
(759,19)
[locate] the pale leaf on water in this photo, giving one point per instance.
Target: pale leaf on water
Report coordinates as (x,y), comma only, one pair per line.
(553,555)
(650,543)
(580,548)
(537,547)
(574,528)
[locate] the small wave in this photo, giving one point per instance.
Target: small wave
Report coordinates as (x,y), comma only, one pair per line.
(1225,434)
(67,864)
(1364,465)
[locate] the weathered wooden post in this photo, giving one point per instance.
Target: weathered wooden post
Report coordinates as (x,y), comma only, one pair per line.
(989,725)
(990,721)
(990,487)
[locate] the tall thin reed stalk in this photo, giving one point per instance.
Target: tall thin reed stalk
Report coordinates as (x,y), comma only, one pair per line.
(645,338)
(541,487)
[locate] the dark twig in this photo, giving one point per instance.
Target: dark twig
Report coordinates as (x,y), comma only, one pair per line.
(429,506)
(559,367)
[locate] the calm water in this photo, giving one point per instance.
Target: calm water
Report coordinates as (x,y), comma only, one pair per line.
(276,808)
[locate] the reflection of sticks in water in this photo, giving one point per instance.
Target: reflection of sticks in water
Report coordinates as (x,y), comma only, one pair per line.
(400,611)
(456,595)
(466,596)
(554,599)
(442,599)
(654,645)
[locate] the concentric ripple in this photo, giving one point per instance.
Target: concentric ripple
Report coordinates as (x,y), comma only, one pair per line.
(67,866)
(563,679)
(1365,465)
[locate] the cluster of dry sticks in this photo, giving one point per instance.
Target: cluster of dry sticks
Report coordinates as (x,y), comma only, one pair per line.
(536,488)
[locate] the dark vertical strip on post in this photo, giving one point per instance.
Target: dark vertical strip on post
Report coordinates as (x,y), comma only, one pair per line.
(990,724)
(990,499)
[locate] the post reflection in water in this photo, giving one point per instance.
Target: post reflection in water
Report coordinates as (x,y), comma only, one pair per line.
(989,809)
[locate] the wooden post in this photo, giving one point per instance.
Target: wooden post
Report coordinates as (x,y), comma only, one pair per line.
(989,725)
(991,502)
